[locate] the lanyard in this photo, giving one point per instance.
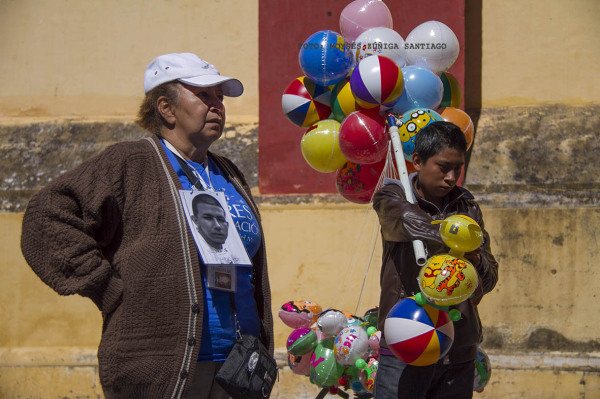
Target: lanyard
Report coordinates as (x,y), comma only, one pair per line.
(190,172)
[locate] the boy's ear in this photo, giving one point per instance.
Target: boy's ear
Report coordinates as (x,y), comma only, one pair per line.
(417,161)
(165,109)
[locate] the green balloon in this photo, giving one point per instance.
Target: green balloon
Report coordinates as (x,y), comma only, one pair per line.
(324,368)
(305,344)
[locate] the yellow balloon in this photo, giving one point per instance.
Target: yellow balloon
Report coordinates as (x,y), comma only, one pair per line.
(320,146)
(447,280)
(460,233)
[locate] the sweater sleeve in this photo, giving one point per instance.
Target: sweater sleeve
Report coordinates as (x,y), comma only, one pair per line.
(70,225)
(402,221)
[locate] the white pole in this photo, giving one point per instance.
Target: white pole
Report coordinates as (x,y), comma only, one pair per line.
(418,246)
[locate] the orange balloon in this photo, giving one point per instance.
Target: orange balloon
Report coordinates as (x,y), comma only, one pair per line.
(461,119)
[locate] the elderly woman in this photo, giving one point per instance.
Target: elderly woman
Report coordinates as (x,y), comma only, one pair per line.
(114,230)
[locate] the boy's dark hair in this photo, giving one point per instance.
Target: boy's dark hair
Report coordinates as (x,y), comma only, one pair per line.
(438,136)
(204,199)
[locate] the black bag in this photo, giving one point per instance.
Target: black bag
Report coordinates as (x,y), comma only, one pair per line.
(249,371)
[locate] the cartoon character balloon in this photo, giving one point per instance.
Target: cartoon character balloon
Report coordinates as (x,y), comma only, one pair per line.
(483,371)
(296,314)
(350,345)
(447,280)
(409,126)
(367,375)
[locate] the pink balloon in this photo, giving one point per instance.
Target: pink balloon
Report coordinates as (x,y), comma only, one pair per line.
(361,15)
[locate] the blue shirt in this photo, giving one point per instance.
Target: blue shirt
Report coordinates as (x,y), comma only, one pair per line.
(218,332)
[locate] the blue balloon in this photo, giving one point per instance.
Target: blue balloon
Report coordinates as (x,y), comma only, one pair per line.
(422,89)
(325,57)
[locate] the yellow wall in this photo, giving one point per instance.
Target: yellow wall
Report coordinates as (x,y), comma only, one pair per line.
(540,52)
(63,59)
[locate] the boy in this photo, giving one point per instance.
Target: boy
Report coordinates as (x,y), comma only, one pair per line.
(438,158)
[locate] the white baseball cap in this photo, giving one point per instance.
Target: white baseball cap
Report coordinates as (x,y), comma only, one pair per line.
(190,69)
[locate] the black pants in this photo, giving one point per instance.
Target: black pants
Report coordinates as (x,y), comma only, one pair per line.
(396,379)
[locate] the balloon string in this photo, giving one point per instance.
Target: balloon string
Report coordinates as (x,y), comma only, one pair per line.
(369,261)
(335,294)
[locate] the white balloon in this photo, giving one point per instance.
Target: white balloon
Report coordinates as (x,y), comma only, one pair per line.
(432,45)
(332,322)
(380,41)
(350,345)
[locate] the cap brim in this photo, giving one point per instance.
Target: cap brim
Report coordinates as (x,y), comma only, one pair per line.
(231,86)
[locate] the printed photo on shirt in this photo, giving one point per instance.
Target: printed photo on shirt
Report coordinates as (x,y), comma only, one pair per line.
(213,229)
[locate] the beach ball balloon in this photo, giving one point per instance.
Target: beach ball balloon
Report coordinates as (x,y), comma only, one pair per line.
(296,314)
(325,371)
(376,80)
(461,119)
(460,233)
(432,45)
(422,89)
(350,345)
(410,124)
(453,95)
(332,322)
(363,137)
(356,182)
(380,41)
(447,280)
(361,15)
(483,371)
(418,335)
(320,146)
(304,102)
(301,341)
(343,102)
(325,57)
(300,364)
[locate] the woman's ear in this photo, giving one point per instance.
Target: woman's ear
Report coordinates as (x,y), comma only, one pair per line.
(417,161)
(165,109)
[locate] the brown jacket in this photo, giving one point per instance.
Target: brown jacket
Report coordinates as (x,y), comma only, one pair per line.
(110,230)
(402,222)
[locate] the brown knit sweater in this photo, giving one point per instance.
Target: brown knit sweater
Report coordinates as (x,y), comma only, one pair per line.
(113,230)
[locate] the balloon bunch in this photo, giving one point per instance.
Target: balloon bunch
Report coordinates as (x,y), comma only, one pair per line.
(419,329)
(351,80)
(336,350)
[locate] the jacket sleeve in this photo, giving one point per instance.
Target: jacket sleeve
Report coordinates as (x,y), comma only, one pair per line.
(67,226)
(488,266)
(402,221)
